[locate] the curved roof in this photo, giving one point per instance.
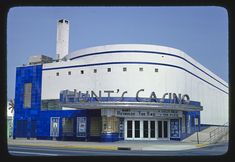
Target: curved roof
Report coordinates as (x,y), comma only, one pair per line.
(124,47)
(146,48)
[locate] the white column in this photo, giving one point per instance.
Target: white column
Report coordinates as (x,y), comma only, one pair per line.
(62,42)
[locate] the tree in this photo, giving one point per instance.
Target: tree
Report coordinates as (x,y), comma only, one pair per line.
(11,105)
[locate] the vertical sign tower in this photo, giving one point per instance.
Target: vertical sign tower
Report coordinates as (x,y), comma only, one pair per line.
(62,42)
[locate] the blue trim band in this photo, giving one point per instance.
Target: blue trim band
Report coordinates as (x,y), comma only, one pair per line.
(150,63)
(152,52)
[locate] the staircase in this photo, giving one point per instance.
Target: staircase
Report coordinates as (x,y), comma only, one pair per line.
(211,134)
(219,133)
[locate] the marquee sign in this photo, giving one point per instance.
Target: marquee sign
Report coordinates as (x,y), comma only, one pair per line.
(78,96)
(141,113)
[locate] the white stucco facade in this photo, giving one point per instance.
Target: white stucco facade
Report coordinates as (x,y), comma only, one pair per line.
(177,73)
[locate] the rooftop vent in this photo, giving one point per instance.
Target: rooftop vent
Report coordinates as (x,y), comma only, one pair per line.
(39,59)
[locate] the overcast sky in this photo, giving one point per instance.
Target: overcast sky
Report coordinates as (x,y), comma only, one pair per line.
(201,32)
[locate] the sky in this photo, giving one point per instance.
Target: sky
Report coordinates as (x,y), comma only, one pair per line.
(201,32)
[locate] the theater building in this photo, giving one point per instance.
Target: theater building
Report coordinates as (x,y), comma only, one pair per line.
(116,92)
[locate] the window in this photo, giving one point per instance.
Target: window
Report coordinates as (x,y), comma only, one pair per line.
(27,95)
(95,70)
(110,124)
(67,126)
(124,69)
(156,70)
(69,73)
(95,126)
(141,69)
(57,74)
(109,69)
(82,71)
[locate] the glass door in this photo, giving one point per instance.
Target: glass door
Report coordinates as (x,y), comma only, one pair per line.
(149,129)
(145,129)
(163,129)
(152,129)
(137,129)
(132,129)
(129,128)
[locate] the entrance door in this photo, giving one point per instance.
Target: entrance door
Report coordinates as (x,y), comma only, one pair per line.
(140,129)
(132,129)
(149,129)
(146,129)
(163,132)
(152,129)
(137,128)
(129,129)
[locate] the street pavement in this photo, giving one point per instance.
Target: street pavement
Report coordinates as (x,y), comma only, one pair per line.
(17,150)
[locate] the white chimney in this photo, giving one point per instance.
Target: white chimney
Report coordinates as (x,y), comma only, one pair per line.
(62,42)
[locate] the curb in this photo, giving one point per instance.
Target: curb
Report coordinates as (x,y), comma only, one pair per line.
(202,145)
(93,147)
(72,146)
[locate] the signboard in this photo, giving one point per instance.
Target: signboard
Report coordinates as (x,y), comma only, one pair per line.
(79,96)
(174,126)
(196,121)
(81,126)
(148,113)
(54,127)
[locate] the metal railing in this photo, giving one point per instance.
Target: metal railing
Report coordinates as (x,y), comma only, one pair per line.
(218,133)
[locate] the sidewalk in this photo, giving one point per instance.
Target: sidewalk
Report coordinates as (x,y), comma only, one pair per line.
(119,145)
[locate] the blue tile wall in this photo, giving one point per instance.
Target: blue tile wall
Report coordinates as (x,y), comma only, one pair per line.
(32,121)
(175,129)
(193,128)
(44,120)
(109,137)
(28,74)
